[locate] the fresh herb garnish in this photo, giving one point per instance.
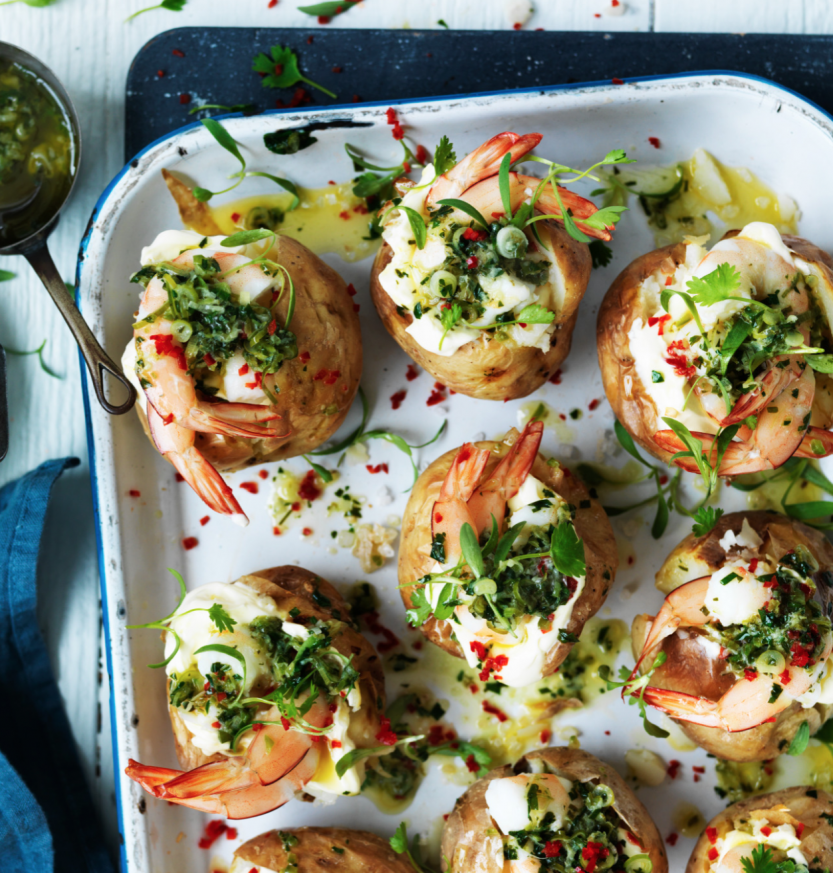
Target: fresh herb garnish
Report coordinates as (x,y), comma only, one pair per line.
(280,70)
(6,275)
(245,108)
(800,740)
(289,142)
(601,254)
(39,352)
(329,9)
(634,689)
(170,5)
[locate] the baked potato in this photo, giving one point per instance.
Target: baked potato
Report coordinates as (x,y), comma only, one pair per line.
(792,824)
(315,849)
(313,686)
(746,634)
(486,306)
(225,383)
(734,363)
(517,624)
(588,797)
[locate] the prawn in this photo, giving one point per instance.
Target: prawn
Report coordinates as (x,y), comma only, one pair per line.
(782,398)
(464,500)
(278,762)
(175,413)
(747,703)
(475,180)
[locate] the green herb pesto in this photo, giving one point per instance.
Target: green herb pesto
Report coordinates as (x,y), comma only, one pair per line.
(37,152)
(213,325)
(588,837)
(792,626)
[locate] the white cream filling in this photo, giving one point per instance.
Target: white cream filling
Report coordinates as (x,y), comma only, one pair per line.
(672,395)
(746,539)
(506,800)
(410,270)
(738,600)
(782,837)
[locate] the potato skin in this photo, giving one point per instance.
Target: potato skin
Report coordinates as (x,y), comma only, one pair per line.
(592,525)
(816,845)
(471,849)
(623,304)
(489,369)
(689,670)
(363,852)
(327,328)
(290,587)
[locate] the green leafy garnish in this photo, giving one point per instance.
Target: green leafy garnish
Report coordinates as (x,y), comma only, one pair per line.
(800,740)
(634,689)
(601,254)
(715,287)
(224,622)
(6,275)
(280,69)
(225,139)
(444,156)
(170,5)
(567,550)
(245,108)
(329,9)
(763,861)
(289,142)
(39,352)
(705,518)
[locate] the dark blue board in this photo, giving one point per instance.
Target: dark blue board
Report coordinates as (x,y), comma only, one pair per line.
(215,64)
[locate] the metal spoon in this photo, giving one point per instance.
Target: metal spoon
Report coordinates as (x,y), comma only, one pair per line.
(33,248)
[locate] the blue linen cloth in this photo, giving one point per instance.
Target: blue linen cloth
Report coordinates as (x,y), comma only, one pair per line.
(47,819)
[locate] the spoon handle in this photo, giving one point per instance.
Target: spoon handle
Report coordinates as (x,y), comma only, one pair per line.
(98,361)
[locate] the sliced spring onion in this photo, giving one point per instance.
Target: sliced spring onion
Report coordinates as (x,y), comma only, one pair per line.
(600,797)
(182,330)
(770,662)
(443,283)
(511,242)
(485,586)
(639,864)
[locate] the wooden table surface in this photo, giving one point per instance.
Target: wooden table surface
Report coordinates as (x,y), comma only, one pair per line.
(89,46)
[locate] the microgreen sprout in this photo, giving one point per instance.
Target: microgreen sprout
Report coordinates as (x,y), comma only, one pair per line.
(634,689)
(39,352)
(225,140)
(170,5)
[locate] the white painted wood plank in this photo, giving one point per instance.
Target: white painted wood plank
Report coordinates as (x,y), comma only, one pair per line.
(742,16)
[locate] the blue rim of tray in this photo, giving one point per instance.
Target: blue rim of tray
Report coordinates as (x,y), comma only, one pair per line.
(335,108)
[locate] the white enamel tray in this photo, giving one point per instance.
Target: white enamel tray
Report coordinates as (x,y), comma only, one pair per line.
(742,120)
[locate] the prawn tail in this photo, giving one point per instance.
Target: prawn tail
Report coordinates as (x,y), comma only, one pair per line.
(684,707)
(234,419)
(209,485)
(213,778)
(150,778)
(816,443)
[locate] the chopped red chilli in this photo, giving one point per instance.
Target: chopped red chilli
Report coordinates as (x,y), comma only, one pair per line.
(491,709)
(184,98)
(412,372)
(213,831)
(190,543)
(134,493)
(386,736)
(308,489)
(396,399)
(251,487)
(204,520)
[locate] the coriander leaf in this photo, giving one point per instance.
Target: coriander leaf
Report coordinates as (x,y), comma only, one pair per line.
(446,602)
(280,69)
(465,207)
(567,550)
(716,286)
(605,218)
(535,314)
(221,618)
(705,518)
(421,610)
(399,841)
(600,253)
(170,5)
(444,156)
(762,861)
(617,156)
(800,740)
(289,142)
(6,275)
(471,550)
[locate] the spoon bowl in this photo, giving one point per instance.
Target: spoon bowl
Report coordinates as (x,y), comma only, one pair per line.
(27,217)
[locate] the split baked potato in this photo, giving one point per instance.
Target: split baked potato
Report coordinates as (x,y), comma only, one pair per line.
(314,849)
(477,279)
(552,627)
(283,637)
(587,794)
(657,362)
(774,567)
(792,824)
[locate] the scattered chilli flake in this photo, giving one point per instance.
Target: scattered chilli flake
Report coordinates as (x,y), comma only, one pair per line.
(165,345)
(344,215)
(473,688)
(396,399)
(491,709)
(231,833)
(308,489)
(204,520)
(471,765)
(673,768)
(303,357)
(272,4)
(393,121)
(593,404)
(213,831)
(659,319)
(437,395)
(616,81)
(389,639)
(386,736)
(307,531)
(190,543)
(546,736)
(276,531)
(328,377)
(711,833)
(379,468)
(412,372)
(713,854)
(134,493)
(654,140)
(264,474)
(178,53)
(179,477)
(671,839)
(351,290)
(251,487)
(184,99)
(258,381)
(555,379)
